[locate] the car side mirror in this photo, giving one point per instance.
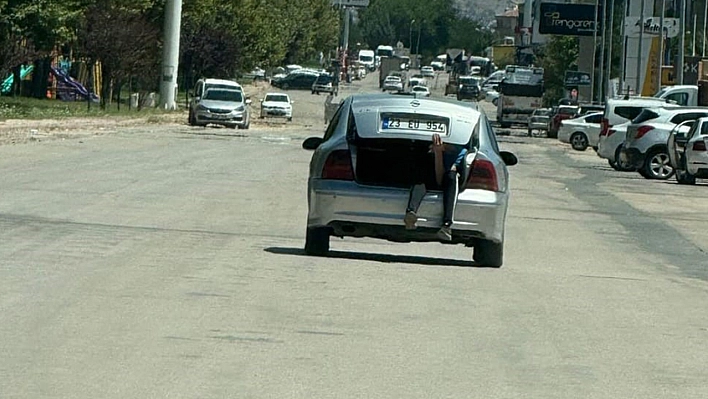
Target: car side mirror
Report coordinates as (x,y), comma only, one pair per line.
(312,143)
(509,158)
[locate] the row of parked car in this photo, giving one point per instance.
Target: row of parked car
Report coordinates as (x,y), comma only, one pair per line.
(655,138)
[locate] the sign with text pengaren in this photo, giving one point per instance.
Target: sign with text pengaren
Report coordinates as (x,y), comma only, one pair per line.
(569,19)
(350,3)
(576,78)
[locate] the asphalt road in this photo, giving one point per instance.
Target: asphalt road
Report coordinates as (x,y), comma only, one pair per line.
(167,263)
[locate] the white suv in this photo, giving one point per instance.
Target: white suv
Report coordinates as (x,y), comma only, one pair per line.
(618,112)
(645,142)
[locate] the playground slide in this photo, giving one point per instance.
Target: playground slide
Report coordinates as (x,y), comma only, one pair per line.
(70,83)
(7,83)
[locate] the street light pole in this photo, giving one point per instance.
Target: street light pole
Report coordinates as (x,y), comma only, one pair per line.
(417,42)
(594,58)
(637,88)
(610,45)
(410,34)
(601,83)
(170,54)
(682,43)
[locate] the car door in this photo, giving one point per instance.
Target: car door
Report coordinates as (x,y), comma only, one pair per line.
(695,150)
(677,142)
(592,129)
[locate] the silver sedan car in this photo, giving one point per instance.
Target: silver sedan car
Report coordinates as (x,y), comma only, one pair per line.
(359,181)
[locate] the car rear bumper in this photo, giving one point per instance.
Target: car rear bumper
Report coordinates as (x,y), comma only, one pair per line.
(367,211)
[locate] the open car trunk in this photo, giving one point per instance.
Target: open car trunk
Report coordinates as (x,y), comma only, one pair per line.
(398,163)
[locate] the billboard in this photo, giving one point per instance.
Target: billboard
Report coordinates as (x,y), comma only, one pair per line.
(569,19)
(652,26)
(576,78)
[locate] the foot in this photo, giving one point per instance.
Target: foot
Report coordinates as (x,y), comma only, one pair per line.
(445,233)
(410,220)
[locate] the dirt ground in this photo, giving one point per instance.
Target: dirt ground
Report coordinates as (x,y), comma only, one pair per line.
(308,113)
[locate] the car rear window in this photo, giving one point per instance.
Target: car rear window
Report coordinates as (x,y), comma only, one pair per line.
(628,112)
(594,118)
(688,116)
(645,115)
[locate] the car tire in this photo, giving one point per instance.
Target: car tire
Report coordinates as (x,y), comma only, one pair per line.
(614,165)
(505,125)
(290,119)
(191,120)
(495,102)
(657,165)
(551,134)
(530,132)
(619,165)
(579,141)
(317,241)
(685,178)
(488,253)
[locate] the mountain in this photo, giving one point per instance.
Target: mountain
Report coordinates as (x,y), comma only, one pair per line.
(482,10)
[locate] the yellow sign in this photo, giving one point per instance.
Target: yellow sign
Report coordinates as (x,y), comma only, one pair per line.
(651,79)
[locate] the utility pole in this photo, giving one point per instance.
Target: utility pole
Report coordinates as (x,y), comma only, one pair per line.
(601,81)
(611,44)
(347,17)
(637,89)
(594,51)
(682,43)
(661,39)
(705,18)
(170,54)
(623,65)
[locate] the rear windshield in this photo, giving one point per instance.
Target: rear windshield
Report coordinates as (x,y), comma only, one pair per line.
(628,112)
(645,115)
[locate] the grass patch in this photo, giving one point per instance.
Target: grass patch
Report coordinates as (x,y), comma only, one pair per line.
(32,108)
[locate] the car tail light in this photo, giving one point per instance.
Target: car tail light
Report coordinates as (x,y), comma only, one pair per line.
(483,176)
(338,166)
(610,132)
(699,146)
(642,130)
(604,127)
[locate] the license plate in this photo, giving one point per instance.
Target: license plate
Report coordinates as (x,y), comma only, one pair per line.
(425,125)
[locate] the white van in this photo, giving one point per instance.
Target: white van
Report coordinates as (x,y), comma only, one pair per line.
(368,59)
(685,95)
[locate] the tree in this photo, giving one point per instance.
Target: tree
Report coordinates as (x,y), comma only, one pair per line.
(558,56)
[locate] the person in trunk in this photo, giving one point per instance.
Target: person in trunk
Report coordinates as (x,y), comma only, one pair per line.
(448,162)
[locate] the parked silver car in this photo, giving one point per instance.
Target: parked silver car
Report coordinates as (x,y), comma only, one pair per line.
(223,107)
(359,180)
(645,141)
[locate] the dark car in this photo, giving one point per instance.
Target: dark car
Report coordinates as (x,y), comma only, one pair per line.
(303,81)
(324,84)
(469,88)
(562,113)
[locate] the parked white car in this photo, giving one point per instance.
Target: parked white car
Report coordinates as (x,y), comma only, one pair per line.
(689,151)
(610,145)
(645,142)
(581,132)
(427,71)
(420,91)
(417,81)
(492,96)
(278,105)
(393,83)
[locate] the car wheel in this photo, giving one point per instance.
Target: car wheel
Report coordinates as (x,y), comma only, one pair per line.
(505,125)
(495,102)
(579,141)
(622,166)
(683,177)
(488,253)
(290,119)
(657,165)
(317,241)
(614,165)
(530,132)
